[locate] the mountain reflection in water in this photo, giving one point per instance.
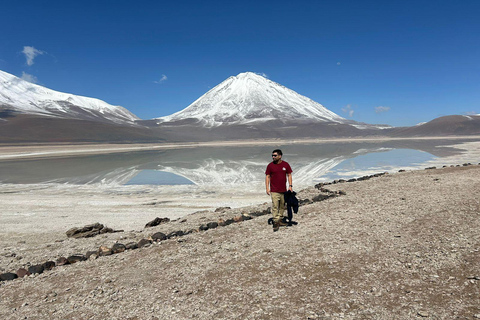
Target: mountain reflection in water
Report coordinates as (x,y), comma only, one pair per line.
(240,167)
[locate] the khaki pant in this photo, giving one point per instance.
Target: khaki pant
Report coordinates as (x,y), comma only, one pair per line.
(278,206)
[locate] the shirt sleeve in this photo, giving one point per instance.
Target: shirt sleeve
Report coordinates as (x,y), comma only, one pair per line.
(268,171)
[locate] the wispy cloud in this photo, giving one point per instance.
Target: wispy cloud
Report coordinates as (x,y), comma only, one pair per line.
(262,74)
(29,77)
(471,113)
(338,63)
(163,78)
(381,109)
(30,54)
(348,110)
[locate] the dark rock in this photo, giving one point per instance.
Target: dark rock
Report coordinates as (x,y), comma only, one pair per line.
(144,243)
(76,258)
(402,170)
(322,197)
(238,218)
(118,248)
(22,272)
(38,268)
(159,236)
(106,230)
(229,221)
(104,251)
(8,276)
(342,192)
(246,217)
(61,261)
(203,227)
(131,246)
(221,209)
(49,265)
(352,180)
(156,222)
(221,223)
(431,168)
(93,254)
(173,234)
(88,231)
(212,225)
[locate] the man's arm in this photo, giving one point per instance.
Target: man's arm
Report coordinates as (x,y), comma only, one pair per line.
(289,176)
(267,183)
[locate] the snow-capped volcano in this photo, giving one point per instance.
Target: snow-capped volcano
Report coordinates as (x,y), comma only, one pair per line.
(20,96)
(250,98)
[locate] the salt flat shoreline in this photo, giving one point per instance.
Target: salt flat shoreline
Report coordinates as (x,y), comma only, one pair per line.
(39,151)
(403,245)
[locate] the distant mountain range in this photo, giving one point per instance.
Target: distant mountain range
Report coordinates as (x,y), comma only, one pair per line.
(246,106)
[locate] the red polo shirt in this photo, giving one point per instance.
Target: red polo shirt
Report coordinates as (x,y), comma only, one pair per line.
(278,176)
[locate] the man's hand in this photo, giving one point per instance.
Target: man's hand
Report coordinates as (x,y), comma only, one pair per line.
(290,188)
(268,191)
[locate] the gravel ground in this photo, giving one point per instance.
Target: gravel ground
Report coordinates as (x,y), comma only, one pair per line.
(398,246)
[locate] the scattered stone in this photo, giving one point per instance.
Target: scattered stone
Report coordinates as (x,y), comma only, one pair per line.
(401,170)
(36,269)
(159,236)
(423,314)
(49,265)
(118,248)
(222,209)
(229,221)
(203,227)
(104,251)
(61,261)
(144,243)
(173,234)
(431,168)
(212,225)
(8,276)
(221,222)
(22,272)
(157,221)
(90,230)
(90,255)
(76,258)
(238,218)
(131,246)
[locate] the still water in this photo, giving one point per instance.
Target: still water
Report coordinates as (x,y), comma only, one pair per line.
(239,167)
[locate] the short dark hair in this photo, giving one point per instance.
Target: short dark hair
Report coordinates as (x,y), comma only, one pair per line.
(278,151)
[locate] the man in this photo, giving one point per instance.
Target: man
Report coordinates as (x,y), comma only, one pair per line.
(276,175)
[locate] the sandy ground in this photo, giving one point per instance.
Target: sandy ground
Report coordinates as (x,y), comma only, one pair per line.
(400,246)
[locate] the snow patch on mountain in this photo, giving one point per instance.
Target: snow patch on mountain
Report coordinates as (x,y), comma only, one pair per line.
(250,98)
(25,97)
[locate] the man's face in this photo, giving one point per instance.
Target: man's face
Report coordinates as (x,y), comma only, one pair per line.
(276,157)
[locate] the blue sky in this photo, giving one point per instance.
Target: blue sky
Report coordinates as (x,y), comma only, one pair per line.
(393,62)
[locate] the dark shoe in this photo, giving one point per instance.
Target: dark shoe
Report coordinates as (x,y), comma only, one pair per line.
(275,226)
(292,223)
(282,224)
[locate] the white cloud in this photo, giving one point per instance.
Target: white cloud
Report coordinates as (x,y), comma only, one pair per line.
(381,109)
(338,63)
(348,110)
(30,54)
(29,77)
(162,79)
(471,113)
(262,74)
